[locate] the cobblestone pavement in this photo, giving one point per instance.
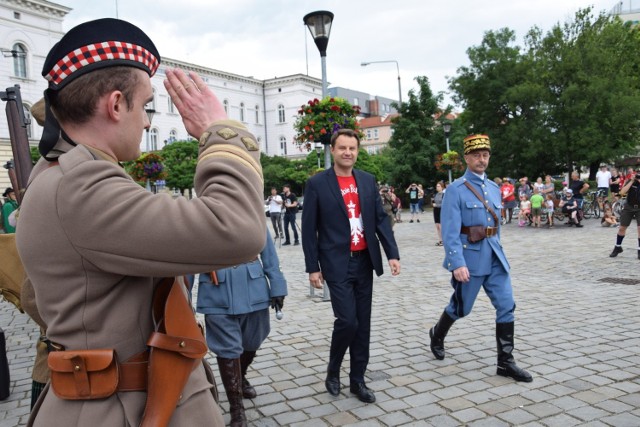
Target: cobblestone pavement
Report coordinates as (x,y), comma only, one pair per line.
(577,332)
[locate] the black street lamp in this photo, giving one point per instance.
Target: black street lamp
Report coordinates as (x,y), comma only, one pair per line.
(446,126)
(319,24)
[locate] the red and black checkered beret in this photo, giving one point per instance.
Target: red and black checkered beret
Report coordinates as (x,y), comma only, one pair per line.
(98,44)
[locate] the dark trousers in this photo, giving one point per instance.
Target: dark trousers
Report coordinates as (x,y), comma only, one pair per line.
(290,218)
(351,302)
(275,222)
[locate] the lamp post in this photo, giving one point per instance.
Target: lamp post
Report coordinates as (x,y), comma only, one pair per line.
(319,24)
(150,112)
(364,64)
(318,148)
(446,126)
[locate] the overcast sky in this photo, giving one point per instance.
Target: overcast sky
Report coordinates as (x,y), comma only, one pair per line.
(266,38)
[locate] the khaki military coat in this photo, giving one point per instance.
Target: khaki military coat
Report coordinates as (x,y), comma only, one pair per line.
(94,244)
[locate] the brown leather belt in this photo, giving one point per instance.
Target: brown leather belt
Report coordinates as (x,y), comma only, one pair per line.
(490,231)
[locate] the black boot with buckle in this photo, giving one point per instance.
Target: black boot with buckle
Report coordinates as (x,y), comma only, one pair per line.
(506,363)
(248,392)
(231,375)
(438,333)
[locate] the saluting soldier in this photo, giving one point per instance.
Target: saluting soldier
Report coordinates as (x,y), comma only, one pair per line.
(96,245)
(473,254)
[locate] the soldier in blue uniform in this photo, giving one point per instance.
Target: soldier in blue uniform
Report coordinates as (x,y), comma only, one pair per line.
(476,261)
(235,302)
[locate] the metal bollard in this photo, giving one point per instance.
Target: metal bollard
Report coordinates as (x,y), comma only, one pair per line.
(4,368)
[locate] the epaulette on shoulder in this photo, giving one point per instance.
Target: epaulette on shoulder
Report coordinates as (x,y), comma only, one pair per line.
(458,182)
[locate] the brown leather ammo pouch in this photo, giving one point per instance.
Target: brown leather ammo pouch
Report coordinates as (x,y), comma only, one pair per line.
(84,374)
(476,233)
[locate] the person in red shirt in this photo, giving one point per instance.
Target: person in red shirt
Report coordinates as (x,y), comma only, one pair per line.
(508,198)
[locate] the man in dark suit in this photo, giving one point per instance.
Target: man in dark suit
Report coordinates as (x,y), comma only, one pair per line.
(342,220)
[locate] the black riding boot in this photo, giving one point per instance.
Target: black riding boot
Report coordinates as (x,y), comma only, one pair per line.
(506,363)
(438,333)
(231,375)
(248,392)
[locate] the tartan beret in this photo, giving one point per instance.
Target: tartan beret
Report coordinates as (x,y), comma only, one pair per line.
(99,44)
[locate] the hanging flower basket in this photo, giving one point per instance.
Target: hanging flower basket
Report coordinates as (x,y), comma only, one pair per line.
(147,167)
(449,160)
(318,120)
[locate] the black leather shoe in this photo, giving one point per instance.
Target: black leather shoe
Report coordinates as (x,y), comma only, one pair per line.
(511,370)
(296,243)
(286,243)
(332,384)
(364,394)
(616,250)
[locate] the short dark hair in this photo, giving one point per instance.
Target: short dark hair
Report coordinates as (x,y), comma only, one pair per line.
(347,132)
(77,100)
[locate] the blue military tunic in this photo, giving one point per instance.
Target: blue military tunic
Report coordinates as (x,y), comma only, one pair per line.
(485,260)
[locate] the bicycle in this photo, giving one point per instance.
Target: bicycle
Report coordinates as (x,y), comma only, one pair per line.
(590,206)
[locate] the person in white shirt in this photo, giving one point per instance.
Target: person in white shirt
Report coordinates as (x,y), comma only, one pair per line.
(603,177)
(275,210)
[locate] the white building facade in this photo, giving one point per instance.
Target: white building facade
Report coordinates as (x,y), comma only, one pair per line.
(29,28)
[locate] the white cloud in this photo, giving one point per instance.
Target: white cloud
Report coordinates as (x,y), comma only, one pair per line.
(267,38)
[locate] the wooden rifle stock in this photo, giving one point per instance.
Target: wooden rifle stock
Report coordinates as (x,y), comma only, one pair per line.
(20,168)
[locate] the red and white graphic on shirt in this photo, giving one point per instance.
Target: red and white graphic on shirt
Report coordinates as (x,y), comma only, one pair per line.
(349,192)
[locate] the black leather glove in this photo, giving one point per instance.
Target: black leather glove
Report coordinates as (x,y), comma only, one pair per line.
(277,302)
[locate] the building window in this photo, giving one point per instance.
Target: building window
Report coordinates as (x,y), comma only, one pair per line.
(29,119)
(281,113)
(19,53)
(368,133)
(171,107)
(242,112)
(225,103)
(173,136)
(375,134)
(257,114)
(152,104)
(283,146)
(153,139)
(356,101)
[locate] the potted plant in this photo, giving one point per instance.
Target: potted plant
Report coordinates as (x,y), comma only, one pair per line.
(319,119)
(449,160)
(147,168)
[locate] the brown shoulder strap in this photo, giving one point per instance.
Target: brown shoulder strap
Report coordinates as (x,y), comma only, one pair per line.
(484,202)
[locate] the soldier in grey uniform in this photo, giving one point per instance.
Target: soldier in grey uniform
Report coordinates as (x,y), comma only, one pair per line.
(474,255)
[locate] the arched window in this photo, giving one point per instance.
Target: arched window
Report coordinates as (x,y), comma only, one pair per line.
(225,103)
(283,146)
(29,119)
(173,136)
(19,53)
(281,113)
(153,139)
(242,111)
(257,114)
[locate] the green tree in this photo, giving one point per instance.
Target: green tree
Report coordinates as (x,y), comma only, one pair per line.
(569,99)
(180,158)
(416,138)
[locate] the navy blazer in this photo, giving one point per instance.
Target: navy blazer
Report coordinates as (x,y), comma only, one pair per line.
(326,233)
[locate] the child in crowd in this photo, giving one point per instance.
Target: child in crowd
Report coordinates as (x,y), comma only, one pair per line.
(525,210)
(539,185)
(549,209)
(536,205)
(609,219)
